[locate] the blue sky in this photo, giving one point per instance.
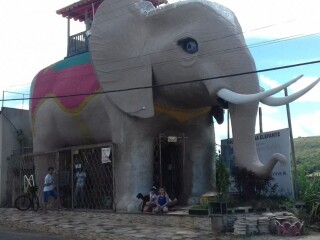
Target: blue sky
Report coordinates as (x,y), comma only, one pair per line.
(35,37)
(288,52)
(295,22)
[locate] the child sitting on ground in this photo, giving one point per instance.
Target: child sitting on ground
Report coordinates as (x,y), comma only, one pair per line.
(162,202)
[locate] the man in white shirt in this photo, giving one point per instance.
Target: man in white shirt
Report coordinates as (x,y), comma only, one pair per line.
(81,176)
(49,188)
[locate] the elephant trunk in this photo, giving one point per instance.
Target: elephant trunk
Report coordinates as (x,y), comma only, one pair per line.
(243,118)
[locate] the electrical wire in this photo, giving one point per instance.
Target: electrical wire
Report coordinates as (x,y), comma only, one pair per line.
(224,51)
(168,84)
(209,40)
(203,55)
(210,54)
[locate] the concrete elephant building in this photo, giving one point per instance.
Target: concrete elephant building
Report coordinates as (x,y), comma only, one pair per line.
(151,71)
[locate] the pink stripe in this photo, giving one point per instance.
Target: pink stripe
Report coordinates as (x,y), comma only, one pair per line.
(74,80)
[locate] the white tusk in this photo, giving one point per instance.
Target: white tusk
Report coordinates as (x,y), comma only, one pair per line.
(274,101)
(237,98)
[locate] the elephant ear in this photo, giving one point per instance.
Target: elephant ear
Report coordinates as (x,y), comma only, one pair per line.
(117,39)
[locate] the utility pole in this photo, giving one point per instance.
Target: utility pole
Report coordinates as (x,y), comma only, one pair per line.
(293,155)
(260,120)
(228,122)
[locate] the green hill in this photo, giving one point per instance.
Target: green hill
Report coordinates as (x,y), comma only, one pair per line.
(307,151)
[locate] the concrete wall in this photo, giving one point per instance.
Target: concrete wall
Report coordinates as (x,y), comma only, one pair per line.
(11,120)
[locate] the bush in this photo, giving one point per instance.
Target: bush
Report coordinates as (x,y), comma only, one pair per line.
(250,186)
(222,178)
(309,192)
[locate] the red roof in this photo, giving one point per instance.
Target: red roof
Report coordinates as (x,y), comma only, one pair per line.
(157,2)
(78,9)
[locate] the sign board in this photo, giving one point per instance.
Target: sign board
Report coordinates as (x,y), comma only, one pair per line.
(105,154)
(267,144)
(172,139)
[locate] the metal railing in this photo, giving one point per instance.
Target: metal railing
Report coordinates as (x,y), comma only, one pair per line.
(77,44)
(22,100)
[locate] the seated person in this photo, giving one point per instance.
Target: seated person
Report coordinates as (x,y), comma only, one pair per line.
(162,202)
(172,203)
(152,200)
(144,199)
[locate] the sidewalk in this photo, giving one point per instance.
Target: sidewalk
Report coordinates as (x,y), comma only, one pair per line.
(96,225)
(110,225)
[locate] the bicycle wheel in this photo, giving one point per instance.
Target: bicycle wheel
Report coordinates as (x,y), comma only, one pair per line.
(22,203)
(35,203)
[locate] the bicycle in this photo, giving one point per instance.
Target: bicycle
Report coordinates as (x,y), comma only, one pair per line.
(29,198)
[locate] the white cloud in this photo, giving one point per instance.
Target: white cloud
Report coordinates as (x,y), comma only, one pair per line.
(274,18)
(33,37)
(311,96)
(268,110)
(269,82)
(24,106)
(277,19)
(37,37)
(306,125)
(221,131)
(303,125)
(270,123)
(285,17)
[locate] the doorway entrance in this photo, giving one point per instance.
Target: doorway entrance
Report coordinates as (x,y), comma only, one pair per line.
(168,164)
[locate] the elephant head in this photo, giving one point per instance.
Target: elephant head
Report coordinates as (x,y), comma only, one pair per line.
(189,54)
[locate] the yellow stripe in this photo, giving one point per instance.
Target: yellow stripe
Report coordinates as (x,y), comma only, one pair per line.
(182,115)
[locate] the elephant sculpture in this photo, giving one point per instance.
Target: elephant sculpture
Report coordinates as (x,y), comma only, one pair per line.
(151,71)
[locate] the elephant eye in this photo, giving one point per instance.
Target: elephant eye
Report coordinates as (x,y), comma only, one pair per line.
(189,45)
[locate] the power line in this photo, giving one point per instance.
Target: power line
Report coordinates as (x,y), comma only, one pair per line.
(214,39)
(119,9)
(292,37)
(210,54)
(252,30)
(224,51)
(169,84)
(210,40)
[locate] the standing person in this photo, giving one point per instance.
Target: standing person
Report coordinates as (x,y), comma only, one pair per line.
(49,188)
(162,202)
(81,176)
(152,200)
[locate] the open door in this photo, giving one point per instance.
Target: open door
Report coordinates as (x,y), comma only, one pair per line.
(169,156)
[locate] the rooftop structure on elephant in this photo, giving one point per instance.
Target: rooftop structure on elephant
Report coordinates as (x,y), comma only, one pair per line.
(86,8)
(84,11)
(80,10)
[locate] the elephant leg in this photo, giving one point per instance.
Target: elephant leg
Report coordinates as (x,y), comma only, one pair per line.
(199,161)
(133,164)
(133,172)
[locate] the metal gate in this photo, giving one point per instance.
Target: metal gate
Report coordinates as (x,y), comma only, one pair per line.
(168,164)
(98,190)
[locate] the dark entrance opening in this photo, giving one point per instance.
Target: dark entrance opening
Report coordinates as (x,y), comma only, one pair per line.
(168,164)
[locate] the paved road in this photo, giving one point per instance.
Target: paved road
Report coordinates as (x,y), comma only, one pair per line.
(7,233)
(116,226)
